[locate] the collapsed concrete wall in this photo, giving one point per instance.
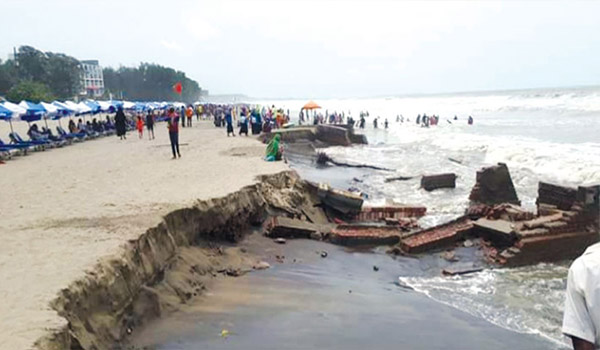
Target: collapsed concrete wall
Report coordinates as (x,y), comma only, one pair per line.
(493,185)
(104,306)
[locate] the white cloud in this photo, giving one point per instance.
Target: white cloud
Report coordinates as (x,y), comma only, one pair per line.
(171,45)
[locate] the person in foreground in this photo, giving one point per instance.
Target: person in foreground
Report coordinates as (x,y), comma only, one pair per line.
(273,149)
(582,302)
(173,126)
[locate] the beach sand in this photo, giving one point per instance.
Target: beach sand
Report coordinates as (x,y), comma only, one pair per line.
(65,209)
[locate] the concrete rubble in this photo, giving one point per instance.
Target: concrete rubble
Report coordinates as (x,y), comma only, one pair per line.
(493,185)
(495,224)
(567,222)
(434,182)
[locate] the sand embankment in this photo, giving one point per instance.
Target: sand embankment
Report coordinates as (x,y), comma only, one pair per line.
(65,209)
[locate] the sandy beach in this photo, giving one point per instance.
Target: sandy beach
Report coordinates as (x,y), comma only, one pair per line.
(65,209)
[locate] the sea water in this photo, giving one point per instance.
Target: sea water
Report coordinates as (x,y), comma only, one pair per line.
(550,135)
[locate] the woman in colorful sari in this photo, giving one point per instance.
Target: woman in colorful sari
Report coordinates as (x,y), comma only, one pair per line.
(273,149)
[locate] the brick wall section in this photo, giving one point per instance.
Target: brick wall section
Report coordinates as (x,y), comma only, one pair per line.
(436,237)
(380,213)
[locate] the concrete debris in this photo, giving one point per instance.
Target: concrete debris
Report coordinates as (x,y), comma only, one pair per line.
(493,185)
(436,237)
(353,235)
(262,265)
(342,201)
(434,182)
(398,178)
(394,211)
(450,256)
(460,270)
(282,227)
(468,243)
(499,232)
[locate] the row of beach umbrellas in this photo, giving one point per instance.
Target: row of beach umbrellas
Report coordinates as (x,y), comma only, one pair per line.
(30,112)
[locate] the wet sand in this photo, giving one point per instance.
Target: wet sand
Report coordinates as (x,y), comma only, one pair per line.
(66,209)
(337,302)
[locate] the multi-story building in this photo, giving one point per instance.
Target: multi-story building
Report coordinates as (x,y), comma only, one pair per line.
(92,80)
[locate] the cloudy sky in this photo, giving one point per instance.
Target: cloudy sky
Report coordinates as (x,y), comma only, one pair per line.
(311,48)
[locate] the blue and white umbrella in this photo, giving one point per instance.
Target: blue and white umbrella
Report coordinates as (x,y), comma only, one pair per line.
(33,111)
(6,114)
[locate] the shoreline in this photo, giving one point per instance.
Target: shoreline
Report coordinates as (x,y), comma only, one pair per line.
(174,261)
(73,206)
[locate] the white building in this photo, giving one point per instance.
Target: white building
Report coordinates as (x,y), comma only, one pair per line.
(92,80)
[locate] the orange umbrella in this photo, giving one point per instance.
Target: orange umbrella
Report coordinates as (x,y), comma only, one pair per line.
(311,105)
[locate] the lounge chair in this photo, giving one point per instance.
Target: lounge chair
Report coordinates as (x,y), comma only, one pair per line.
(70,136)
(15,139)
(7,148)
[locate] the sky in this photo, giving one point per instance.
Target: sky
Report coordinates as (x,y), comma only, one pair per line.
(321,48)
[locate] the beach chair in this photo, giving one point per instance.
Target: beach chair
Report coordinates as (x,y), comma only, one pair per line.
(9,148)
(15,139)
(72,136)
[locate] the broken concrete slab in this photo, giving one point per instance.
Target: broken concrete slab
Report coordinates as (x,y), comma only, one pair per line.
(282,227)
(433,182)
(333,135)
(494,186)
(499,232)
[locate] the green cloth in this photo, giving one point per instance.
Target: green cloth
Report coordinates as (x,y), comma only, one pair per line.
(273,146)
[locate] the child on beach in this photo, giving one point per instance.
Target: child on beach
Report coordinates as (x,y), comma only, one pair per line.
(140,127)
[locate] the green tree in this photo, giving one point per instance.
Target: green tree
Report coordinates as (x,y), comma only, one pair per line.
(149,82)
(30,91)
(8,76)
(64,75)
(33,64)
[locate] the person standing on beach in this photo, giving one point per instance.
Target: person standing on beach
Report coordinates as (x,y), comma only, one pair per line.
(120,123)
(243,124)
(182,116)
(150,125)
(229,122)
(173,125)
(140,126)
(189,113)
(581,317)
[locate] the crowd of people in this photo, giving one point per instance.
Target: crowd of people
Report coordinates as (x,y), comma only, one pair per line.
(245,118)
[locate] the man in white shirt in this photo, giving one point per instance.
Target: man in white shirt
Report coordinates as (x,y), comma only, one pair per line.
(581,319)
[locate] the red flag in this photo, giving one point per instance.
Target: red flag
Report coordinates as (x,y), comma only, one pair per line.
(178,88)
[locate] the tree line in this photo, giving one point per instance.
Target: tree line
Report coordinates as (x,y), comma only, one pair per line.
(150,82)
(45,76)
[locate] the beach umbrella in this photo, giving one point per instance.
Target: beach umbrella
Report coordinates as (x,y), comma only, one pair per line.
(73,106)
(6,114)
(51,111)
(33,111)
(15,108)
(128,105)
(105,106)
(93,106)
(311,105)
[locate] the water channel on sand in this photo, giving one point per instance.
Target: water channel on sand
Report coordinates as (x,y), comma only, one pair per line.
(336,302)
